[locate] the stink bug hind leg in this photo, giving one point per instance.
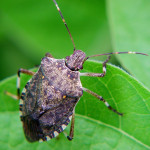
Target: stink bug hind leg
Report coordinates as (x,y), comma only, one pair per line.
(11,95)
(71,134)
(103,100)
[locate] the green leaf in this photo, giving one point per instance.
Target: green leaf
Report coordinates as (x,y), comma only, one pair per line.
(129,24)
(96,127)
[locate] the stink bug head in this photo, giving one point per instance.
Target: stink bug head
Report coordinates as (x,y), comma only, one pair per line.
(75,61)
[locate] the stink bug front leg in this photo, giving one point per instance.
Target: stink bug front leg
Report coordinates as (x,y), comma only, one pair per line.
(48,55)
(103,100)
(18,83)
(98,74)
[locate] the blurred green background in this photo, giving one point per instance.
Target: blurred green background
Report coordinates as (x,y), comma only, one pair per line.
(30,28)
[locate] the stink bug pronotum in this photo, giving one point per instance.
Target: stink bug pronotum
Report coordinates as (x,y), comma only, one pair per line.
(47,103)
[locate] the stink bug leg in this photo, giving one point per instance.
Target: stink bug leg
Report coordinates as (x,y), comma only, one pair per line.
(18,83)
(103,100)
(18,79)
(97,74)
(71,134)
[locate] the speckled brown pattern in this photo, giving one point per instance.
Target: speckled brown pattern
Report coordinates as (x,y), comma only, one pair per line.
(49,99)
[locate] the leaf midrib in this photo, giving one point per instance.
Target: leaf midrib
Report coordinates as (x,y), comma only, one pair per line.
(114,128)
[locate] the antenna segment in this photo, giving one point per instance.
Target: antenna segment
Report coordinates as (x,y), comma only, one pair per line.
(64,23)
(116,53)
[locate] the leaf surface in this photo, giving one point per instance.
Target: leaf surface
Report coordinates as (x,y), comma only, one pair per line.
(95,126)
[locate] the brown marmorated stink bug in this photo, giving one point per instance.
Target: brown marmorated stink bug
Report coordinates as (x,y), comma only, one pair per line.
(47,103)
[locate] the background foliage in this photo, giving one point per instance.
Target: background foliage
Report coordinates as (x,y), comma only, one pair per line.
(29,29)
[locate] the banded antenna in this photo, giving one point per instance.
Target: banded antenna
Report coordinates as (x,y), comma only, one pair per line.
(115,53)
(74,43)
(64,23)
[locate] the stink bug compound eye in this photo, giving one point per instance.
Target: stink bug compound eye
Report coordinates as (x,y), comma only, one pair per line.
(48,100)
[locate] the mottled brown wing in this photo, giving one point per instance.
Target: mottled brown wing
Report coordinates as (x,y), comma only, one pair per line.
(50,123)
(32,129)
